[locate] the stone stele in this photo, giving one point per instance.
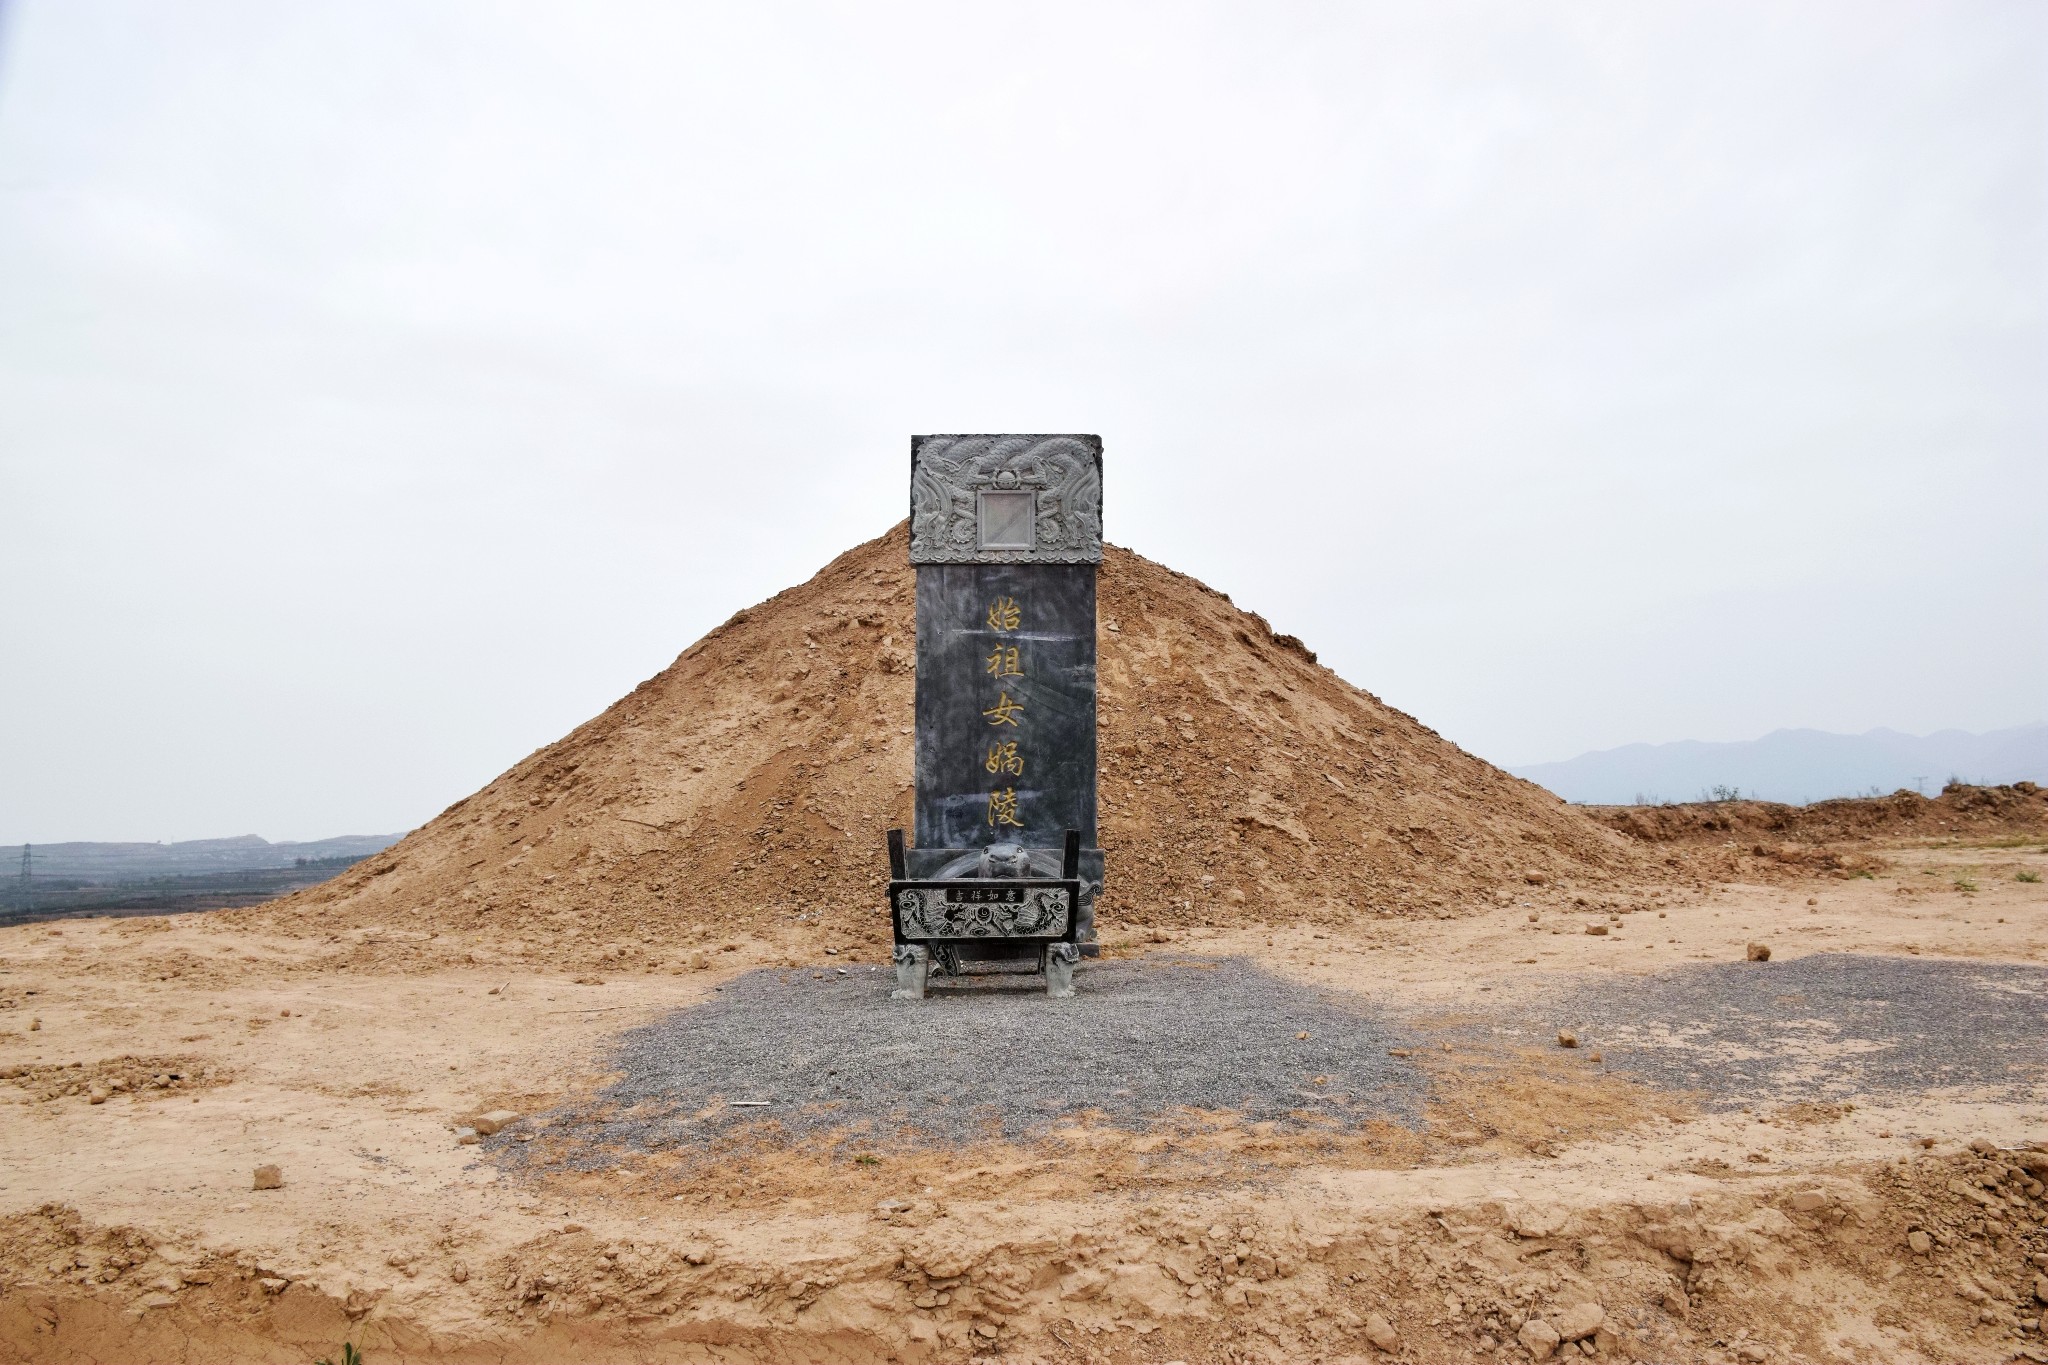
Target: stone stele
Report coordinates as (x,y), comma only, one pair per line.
(1006,538)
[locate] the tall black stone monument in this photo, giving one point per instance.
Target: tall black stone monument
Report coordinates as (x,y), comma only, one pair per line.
(1006,537)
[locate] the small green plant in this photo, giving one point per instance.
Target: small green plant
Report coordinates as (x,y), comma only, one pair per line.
(1965,884)
(349,1356)
(2026,876)
(870,1159)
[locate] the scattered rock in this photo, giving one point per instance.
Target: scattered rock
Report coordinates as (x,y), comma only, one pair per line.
(269,1178)
(1534,1221)
(1677,1304)
(1919,1242)
(589,981)
(1381,1333)
(1806,1201)
(1580,1320)
(1751,1353)
(459,1273)
(1759,952)
(1539,1338)
(493,1122)
(2041,1288)
(99,1094)
(1535,878)
(1566,1038)
(1597,930)
(466,1137)
(273,1285)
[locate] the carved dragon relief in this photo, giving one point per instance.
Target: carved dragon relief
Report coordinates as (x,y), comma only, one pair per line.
(927,915)
(1063,473)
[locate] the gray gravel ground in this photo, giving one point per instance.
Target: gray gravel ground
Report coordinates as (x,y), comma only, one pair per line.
(1140,1041)
(1828,1027)
(1145,1040)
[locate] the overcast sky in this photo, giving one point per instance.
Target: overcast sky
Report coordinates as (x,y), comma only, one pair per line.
(386,388)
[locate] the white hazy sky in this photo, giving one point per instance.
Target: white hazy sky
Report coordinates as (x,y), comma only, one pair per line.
(385,388)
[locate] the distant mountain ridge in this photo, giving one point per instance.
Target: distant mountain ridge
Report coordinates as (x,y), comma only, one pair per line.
(126,862)
(1796,766)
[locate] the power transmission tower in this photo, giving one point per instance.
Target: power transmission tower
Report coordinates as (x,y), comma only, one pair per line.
(24,867)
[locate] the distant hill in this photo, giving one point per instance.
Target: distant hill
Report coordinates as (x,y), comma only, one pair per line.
(1796,766)
(128,862)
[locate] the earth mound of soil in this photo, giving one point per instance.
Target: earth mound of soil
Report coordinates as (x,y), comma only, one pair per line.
(746,788)
(1961,811)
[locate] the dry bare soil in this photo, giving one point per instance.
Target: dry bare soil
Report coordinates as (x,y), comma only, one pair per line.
(1845,1166)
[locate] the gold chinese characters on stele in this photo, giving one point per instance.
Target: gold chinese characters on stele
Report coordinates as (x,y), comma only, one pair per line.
(1005,757)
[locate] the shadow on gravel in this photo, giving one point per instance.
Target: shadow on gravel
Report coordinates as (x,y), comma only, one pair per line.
(1145,1040)
(1827,1027)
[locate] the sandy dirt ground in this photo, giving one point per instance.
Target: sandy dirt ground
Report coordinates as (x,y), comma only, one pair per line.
(1552,1207)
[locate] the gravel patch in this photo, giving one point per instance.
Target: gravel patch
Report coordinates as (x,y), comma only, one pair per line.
(1832,1026)
(1164,1039)
(1143,1041)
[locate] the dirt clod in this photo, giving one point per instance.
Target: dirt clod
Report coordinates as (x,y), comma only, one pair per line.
(1580,1320)
(1539,1338)
(1381,1334)
(1759,952)
(269,1178)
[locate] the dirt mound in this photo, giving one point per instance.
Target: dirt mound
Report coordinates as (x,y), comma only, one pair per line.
(1922,1258)
(1960,812)
(746,788)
